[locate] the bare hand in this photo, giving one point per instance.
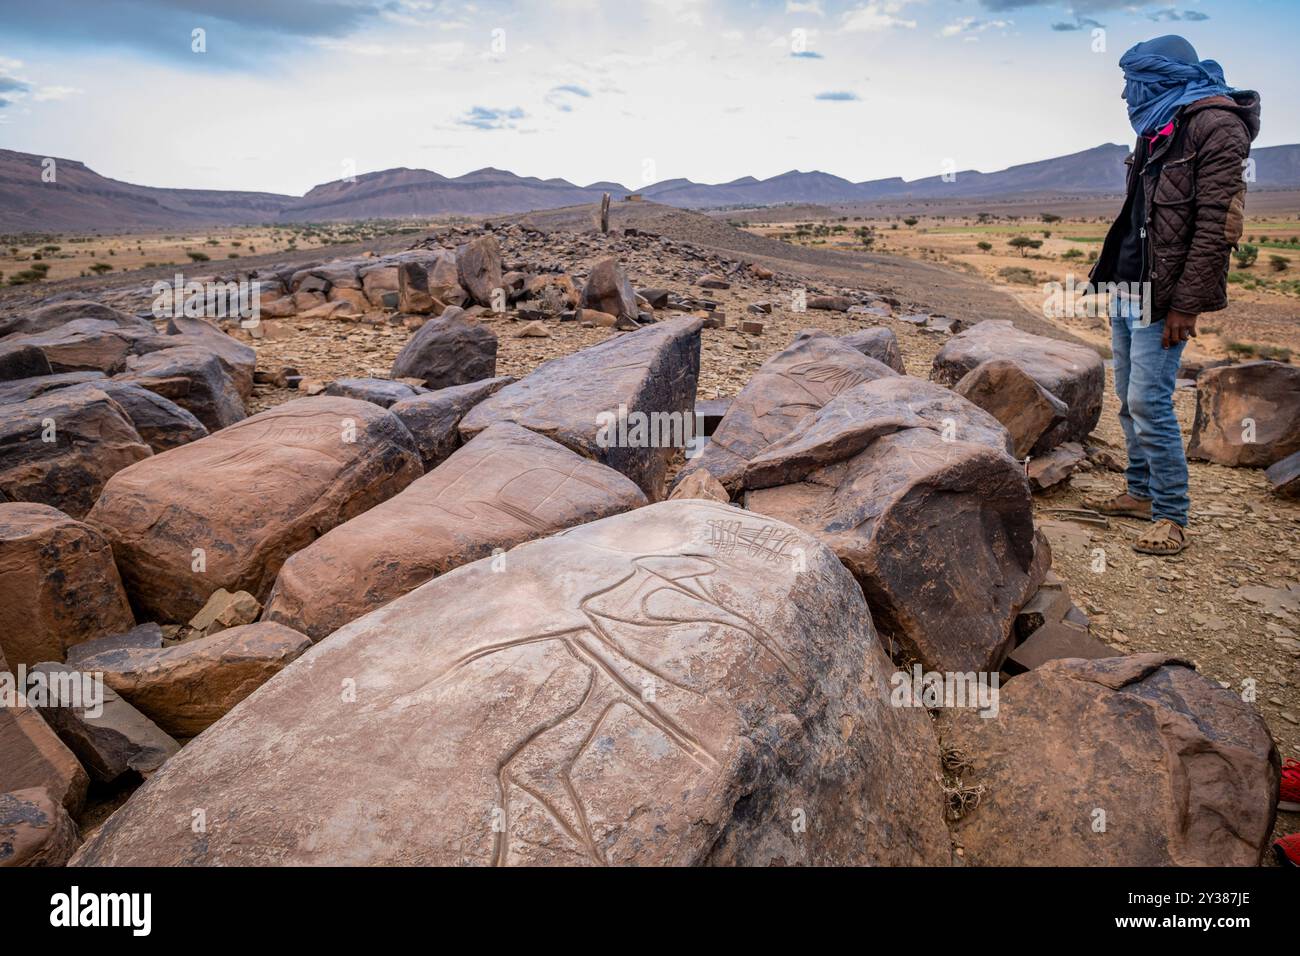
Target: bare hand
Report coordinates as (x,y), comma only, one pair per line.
(1179,327)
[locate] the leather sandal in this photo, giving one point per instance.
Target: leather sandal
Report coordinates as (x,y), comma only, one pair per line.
(1112,506)
(1163,538)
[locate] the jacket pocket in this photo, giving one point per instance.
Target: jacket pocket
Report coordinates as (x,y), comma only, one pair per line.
(1176,185)
(1235,223)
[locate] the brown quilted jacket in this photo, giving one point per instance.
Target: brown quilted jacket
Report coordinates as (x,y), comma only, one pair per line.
(1195,188)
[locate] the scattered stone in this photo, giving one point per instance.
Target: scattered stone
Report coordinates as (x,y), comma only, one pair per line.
(506,486)
(35,830)
(712,282)
(111,737)
(1247,415)
(413,295)
(576,399)
(227,510)
(449,350)
(829,303)
(1047,471)
(58,585)
(609,290)
(700,484)
(1004,390)
(605,694)
(1284,476)
(1184,771)
(751,327)
(533,330)
(225,610)
(1053,642)
(1073,373)
(186,688)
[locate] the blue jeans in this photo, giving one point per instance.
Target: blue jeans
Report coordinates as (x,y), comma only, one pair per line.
(1145,376)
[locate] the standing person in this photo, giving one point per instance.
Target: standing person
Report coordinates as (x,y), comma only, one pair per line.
(1168,255)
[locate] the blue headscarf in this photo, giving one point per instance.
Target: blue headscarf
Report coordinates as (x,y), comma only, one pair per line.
(1162,75)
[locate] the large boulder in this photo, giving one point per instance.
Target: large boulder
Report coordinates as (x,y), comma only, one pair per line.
(239,360)
(856,417)
(61,447)
(413,295)
(1072,372)
(507,486)
(22,389)
(786,389)
(58,584)
(1004,390)
(225,511)
(934,521)
(1125,761)
(578,399)
(35,830)
(609,290)
(71,310)
(188,687)
(478,271)
(1247,415)
(194,378)
(109,736)
(449,350)
(158,420)
(433,418)
(84,345)
(663,687)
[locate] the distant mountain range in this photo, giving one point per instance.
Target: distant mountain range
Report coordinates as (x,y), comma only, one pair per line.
(82,200)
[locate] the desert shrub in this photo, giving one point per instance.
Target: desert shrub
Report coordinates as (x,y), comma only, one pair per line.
(198,256)
(99,268)
(1279,263)
(1246,255)
(984,245)
(1072,254)
(1018,274)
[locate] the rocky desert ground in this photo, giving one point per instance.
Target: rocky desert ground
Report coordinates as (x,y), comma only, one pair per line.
(566,649)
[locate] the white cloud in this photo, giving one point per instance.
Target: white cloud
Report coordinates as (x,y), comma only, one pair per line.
(812,7)
(875,16)
(972,25)
(46,94)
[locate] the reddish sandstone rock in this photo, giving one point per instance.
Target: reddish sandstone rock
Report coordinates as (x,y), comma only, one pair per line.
(700,484)
(58,584)
(1072,372)
(1183,771)
(1004,390)
(82,345)
(650,374)
(789,386)
(939,534)
(1247,415)
(159,421)
(61,313)
(507,486)
(187,687)
(449,350)
(225,511)
(35,830)
(31,754)
(92,439)
(662,687)
(238,359)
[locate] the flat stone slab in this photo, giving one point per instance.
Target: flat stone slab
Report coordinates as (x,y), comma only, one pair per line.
(433,418)
(507,486)
(650,372)
(227,510)
(1247,415)
(661,687)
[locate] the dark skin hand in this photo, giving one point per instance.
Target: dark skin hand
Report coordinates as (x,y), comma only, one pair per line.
(1179,327)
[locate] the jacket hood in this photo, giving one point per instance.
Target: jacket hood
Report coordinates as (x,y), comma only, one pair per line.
(1245,103)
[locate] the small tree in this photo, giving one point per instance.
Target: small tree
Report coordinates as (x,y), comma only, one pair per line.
(1024,244)
(99,268)
(911,221)
(984,245)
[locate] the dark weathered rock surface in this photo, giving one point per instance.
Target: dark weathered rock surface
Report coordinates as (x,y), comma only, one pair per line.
(449,350)
(433,418)
(661,687)
(609,290)
(878,343)
(158,420)
(1127,761)
(192,377)
(90,439)
(650,373)
(1073,373)
(478,271)
(381,391)
(35,830)
(1004,390)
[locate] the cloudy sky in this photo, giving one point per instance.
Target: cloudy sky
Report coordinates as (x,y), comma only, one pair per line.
(286,94)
